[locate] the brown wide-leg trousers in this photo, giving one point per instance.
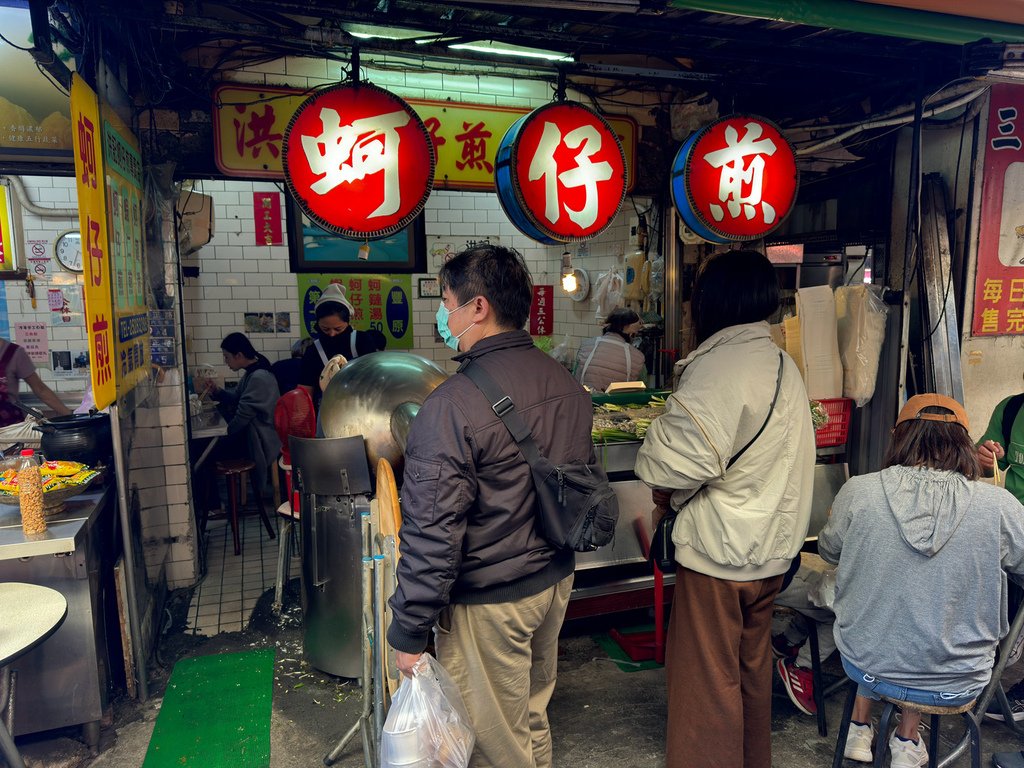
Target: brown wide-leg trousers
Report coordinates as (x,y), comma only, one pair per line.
(719,672)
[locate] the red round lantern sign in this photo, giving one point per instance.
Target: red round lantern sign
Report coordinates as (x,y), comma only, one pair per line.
(735,179)
(358,160)
(561,173)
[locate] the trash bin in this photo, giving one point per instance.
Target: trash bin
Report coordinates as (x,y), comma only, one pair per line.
(332,478)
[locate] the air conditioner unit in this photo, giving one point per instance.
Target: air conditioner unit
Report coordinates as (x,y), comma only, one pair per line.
(195,227)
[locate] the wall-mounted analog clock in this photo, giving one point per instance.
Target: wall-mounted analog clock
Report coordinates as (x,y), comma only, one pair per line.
(68,250)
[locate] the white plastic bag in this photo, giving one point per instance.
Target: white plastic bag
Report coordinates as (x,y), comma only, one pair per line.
(860,326)
(561,353)
(427,725)
(608,293)
(656,281)
(823,592)
(21,432)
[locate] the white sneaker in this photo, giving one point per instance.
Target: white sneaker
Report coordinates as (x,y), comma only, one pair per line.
(908,754)
(858,743)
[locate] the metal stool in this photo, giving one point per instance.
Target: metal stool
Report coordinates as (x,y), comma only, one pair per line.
(882,738)
(818,679)
(288,514)
(232,470)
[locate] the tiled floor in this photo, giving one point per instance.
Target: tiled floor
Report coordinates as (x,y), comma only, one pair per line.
(224,600)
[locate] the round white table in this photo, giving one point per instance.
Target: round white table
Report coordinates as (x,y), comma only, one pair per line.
(31,614)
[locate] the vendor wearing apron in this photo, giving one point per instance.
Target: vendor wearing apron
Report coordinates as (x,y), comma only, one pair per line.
(335,336)
(15,367)
(611,357)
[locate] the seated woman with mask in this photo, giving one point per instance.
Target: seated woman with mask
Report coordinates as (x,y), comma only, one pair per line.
(335,336)
(608,358)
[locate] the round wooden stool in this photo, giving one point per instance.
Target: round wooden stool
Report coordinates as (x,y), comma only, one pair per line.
(232,470)
(882,737)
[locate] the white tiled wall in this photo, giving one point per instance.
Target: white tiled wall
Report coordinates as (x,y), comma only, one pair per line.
(238,277)
(49,192)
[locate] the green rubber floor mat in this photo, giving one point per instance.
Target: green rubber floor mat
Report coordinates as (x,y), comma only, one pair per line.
(216,712)
(619,656)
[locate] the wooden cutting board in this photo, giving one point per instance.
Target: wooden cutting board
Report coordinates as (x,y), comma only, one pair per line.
(389,520)
(387,501)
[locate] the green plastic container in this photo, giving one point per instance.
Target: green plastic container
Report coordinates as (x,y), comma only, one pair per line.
(629,398)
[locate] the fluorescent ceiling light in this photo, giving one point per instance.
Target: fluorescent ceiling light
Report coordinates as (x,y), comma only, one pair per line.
(504,49)
(368,31)
(602,6)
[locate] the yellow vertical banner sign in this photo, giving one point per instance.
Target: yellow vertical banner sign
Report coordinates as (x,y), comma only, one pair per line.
(122,165)
(7,252)
(92,218)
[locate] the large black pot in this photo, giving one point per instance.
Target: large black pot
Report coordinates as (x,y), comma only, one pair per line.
(78,437)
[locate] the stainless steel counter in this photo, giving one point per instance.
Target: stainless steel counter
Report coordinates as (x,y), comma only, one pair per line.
(61,532)
(617,457)
(619,461)
(64,681)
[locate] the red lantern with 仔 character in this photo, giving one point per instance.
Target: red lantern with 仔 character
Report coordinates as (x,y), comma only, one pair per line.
(561,173)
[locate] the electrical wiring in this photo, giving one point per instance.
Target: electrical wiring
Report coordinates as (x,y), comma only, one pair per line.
(895,121)
(16,47)
(52,80)
(903,109)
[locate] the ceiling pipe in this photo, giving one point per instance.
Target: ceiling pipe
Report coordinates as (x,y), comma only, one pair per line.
(866,18)
(18,187)
(902,120)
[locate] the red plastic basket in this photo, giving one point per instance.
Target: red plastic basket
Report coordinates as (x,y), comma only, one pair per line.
(835,431)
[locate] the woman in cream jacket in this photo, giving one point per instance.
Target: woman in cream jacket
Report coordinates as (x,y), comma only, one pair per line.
(738,530)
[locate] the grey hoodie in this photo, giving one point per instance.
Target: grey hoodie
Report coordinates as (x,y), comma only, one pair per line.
(921,585)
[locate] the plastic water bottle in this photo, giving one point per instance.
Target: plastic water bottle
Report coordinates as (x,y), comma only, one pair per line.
(30,493)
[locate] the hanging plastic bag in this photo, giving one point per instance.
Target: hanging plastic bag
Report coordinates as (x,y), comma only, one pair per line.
(860,327)
(656,278)
(608,293)
(561,352)
(427,725)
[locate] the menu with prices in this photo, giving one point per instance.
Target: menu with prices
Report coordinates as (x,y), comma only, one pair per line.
(161,329)
(378,301)
(33,339)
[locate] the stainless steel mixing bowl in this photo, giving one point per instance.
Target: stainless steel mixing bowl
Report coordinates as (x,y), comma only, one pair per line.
(377,396)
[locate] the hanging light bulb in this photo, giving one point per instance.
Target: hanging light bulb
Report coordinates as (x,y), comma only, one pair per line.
(568,274)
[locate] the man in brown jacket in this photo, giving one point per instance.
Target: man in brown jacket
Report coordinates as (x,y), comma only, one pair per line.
(474,569)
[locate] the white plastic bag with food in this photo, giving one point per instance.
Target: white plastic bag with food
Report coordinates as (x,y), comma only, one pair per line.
(860,327)
(427,725)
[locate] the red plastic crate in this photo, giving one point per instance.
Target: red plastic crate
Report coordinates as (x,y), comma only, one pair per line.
(835,431)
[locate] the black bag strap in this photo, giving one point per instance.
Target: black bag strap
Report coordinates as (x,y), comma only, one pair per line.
(1013,406)
(505,410)
(771,408)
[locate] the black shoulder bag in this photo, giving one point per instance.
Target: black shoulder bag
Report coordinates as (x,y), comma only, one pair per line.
(663,549)
(576,507)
